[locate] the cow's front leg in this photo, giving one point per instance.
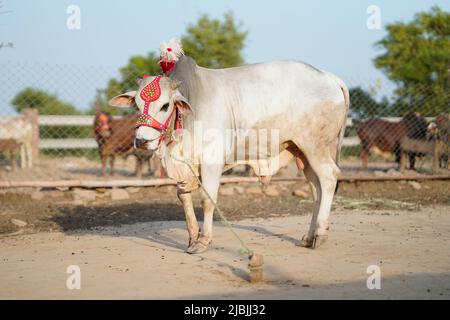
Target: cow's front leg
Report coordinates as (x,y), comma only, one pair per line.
(191,221)
(211,181)
(138,169)
(113,157)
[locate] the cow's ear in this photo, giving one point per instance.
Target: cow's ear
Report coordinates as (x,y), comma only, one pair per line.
(182,104)
(124,100)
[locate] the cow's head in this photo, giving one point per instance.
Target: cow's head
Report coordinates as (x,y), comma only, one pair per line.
(102,128)
(158,98)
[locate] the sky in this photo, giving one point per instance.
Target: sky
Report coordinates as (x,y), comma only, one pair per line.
(331,35)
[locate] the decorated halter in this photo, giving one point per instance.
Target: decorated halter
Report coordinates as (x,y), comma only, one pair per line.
(170,53)
(150,93)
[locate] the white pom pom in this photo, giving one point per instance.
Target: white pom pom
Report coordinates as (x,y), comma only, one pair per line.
(171,50)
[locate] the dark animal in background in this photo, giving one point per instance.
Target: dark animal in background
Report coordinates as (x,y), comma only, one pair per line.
(416,128)
(440,130)
(116,137)
(386,135)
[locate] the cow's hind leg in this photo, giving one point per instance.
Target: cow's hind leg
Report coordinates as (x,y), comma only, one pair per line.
(323,172)
(307,240)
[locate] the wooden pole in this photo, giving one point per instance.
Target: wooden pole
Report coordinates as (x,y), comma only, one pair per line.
(32,115)
(166,182)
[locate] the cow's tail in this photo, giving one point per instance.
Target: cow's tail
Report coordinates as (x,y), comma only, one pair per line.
(340,137)
(346,94)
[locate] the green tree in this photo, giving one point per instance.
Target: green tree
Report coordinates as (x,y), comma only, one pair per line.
(363,104)
(44,102)
(211,42)
(214,43)
(136,67)
(417,57)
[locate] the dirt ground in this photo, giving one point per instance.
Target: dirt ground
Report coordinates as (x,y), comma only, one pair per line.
(147,260)
(72,167)
(134,248)
(69,210)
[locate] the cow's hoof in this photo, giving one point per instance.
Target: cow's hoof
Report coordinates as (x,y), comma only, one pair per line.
(306,242)
(198,247)
(319,240)
(312,243)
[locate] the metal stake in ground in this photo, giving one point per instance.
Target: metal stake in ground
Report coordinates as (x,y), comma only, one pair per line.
(256,261)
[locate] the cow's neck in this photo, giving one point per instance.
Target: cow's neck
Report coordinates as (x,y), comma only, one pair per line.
(173,157)
(185,73)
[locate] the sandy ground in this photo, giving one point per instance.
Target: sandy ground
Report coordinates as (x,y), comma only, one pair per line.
(147,261)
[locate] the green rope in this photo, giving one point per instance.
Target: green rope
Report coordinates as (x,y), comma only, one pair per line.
(244,250)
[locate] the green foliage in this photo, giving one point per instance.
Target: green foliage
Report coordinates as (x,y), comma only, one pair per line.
(417,57)
(214,43)
(137,66)
(211,42)
(44,102)
(363,105)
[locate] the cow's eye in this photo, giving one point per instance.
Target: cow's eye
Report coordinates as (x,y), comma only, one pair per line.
(165,107)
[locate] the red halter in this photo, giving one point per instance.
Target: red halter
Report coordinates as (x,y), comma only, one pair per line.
(151,92)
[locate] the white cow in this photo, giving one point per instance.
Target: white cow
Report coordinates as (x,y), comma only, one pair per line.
(306,106)
(20,130)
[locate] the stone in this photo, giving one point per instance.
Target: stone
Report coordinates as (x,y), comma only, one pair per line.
(133,190)
(410,172)
(82,194)
(77,203)
(56,194)
(301,193)
(103,194)
(18,223)
(37,195)
(119,194)
(379,173)
(239,189)
(415,185)
(226,191)
(271,191)
(394,173)
(254,190)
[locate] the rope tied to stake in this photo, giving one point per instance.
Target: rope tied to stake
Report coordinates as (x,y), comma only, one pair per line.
(244,250)
(256,261)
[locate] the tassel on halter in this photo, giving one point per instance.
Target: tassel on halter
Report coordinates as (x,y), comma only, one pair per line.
(170,53)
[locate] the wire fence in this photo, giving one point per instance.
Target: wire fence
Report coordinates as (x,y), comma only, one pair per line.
(55,124)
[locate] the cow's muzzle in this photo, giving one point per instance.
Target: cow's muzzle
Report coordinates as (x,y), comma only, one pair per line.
(140,143)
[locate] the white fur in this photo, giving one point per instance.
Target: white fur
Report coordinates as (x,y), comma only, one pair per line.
(175,53)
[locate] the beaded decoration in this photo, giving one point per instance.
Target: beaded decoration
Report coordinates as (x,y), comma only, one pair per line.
(150,93)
